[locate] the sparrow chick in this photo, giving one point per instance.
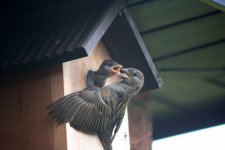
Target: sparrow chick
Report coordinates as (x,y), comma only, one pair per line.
(99,110)
(107,69)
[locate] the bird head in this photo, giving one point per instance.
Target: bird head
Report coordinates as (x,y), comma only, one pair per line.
(110,67)
(132,77)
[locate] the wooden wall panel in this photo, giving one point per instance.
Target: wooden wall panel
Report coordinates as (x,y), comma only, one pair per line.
(24,121)
(74,76)
(122,139)
(57,91)
(10,113)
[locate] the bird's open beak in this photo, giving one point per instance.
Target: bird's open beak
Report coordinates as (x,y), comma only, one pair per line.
(116,69)
(124,73)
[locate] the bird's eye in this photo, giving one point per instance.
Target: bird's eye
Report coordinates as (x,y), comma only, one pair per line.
(134,74)
(109,64)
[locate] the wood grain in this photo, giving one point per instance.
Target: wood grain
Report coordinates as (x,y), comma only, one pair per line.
(57,91)
(24,121)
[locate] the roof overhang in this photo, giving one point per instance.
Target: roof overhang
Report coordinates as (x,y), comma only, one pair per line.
(44,33)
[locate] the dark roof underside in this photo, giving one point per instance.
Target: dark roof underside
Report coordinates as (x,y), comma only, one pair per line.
(186,39)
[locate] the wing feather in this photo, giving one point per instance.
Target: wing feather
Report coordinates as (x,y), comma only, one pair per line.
(84,110)
(88,117)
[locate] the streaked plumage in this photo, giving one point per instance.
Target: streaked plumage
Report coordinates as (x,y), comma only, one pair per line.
(99,110)
(98,78)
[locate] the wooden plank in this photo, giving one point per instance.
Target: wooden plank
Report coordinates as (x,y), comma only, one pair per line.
(36,94)
(57,91)
(25,124)
(10,115)
(122,139)
(24,99)
(74,74)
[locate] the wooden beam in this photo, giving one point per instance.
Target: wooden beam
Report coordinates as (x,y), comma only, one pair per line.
(140,128)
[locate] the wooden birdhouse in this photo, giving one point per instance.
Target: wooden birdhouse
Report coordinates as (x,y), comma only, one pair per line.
(47,49)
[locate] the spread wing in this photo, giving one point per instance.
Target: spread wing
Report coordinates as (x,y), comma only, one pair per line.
(84,110)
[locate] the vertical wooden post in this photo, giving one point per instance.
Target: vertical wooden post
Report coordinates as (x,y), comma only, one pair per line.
(140,128)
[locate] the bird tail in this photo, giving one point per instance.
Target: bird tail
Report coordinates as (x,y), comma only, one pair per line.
(106,142)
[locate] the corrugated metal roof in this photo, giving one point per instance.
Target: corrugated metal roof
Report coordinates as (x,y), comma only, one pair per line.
(47,31)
